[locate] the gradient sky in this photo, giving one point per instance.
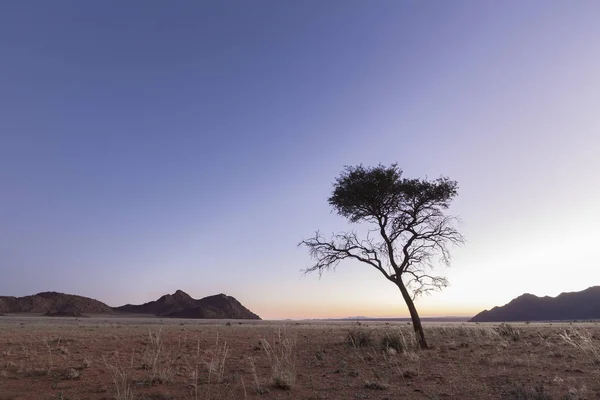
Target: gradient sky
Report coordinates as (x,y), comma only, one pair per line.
(150,146)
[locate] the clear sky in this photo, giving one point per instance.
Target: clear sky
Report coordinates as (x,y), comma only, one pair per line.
(150,146)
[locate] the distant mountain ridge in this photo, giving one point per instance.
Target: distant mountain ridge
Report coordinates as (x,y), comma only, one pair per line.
(528,307)
(178,304)
(53,304)
(182,305)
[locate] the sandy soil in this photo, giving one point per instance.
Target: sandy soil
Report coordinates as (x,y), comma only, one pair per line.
(112,358)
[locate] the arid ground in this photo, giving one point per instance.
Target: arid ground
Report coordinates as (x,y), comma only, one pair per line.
(136,358)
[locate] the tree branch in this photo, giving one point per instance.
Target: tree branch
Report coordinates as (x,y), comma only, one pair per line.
(328,254)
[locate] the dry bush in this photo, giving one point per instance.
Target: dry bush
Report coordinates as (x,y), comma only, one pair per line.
(399,340)
(508,331)
(376,385)
(359,337)
(72,373)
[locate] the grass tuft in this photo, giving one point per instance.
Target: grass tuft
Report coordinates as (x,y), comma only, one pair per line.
(507,331)
(359,337)
(582,340)
(376,386)
(283,360)
(394,340)
(120,377)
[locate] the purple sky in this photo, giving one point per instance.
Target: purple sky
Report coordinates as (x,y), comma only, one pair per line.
(150,146)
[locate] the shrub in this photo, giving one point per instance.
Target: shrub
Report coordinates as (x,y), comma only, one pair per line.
(394,340)
(508,331)
(359,337)
(376,386)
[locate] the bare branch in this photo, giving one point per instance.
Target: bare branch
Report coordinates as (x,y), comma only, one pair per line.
(422,283)
(327,254)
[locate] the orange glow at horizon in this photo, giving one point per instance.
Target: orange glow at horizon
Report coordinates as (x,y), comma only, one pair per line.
(372,311)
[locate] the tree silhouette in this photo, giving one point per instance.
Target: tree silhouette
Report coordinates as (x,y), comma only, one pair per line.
(409,230)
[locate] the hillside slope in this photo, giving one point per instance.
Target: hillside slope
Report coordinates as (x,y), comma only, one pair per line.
(182,305)
(527,307)
(53,303)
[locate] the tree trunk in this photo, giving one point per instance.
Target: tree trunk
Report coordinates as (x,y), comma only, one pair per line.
(414,315)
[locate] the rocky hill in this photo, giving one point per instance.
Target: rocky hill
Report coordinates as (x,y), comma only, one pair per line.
(53,304)
(528,307)
(182,305)
(164,306)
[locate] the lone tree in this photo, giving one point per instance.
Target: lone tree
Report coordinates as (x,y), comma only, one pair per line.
(408,232)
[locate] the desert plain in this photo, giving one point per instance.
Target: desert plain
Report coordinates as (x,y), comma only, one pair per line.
(102,358)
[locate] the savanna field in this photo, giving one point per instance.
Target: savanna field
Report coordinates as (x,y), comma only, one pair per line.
(151,359)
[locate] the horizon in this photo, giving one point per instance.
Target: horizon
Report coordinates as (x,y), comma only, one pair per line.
(347,317)
(272,319)
(146,148)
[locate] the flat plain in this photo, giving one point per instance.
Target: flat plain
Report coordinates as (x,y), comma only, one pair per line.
(153,359)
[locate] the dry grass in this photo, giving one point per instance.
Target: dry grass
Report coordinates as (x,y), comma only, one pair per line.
(216,363)
(508,331)
(258,387)
(399,340)
(120,377)
(158,360)
(146,360)
(359,337)
(584,341)
(282,357)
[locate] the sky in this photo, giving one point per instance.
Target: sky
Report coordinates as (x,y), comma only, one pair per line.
(150,146)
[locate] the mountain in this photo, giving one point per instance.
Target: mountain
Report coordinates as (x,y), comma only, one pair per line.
(528,307)
(53,304)
(182,305)
(164,306)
